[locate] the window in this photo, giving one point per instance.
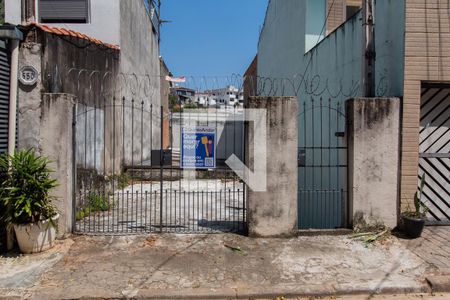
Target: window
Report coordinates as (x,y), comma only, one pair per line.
(352,10)
(63,11)
(315,18)
(339,11)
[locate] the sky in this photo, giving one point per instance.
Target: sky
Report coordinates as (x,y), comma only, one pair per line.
(210,37)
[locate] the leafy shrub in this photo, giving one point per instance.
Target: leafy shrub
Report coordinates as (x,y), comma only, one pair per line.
(98,203)
(83,213)
(123,180)
(120,181)
(25,191)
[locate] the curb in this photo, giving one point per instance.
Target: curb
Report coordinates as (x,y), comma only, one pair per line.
(322,290)
(439,283)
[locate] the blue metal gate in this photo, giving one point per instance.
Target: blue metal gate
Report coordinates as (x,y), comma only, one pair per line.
(322,161)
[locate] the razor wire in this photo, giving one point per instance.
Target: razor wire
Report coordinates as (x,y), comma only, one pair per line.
(88,84)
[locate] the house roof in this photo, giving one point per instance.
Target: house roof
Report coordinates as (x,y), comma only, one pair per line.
(252,68)
(71,33)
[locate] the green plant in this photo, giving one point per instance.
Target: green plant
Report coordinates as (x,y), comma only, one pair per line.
(120,181)
(123,180)
(95,203)
(420,209)
(98,203)
(25,190)
(190,106)
(83,213)
(173,101)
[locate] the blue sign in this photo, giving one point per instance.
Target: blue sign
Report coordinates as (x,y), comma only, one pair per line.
(198,148)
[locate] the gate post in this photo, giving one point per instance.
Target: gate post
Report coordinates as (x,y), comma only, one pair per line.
(56,142)
(273,213)
(373,166)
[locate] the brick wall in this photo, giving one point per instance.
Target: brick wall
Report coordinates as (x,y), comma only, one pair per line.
(427,40)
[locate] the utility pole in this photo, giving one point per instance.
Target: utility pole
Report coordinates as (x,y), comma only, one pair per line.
(369,55)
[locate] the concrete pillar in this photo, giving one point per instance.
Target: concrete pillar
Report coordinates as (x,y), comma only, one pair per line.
(373,166)
(274,212)
(56,143)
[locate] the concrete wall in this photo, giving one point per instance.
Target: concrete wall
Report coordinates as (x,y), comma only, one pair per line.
(104,21)
(140,65)
(29,98)
(333,67)
(374,148)
(45,124)
(427,38)
(55,142)
(41,113)
(274,212)
(65,67)
(330,73)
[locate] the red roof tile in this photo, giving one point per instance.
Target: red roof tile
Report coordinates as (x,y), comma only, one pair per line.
(72,33)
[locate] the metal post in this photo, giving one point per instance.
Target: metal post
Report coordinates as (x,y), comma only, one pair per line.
(368,66)
(161,163)
(74,165)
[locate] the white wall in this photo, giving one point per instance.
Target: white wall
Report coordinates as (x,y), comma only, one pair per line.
(13,13)
(104,22)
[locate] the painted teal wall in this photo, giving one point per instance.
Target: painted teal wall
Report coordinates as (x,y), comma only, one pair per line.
(314,22)
(327,75)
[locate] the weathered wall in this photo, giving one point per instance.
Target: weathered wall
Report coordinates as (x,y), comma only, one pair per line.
(53,57)
(45,124)
(139,63)
(274,212)
(29,98)
(55,142)
(333,67)
(330,73)
(89,73)
(427,38)
(104,22)
(374,144)
(76,67)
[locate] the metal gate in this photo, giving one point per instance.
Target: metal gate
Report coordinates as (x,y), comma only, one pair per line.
(4,115)
(322,160)
(4,95)
(434,162)
(129,177)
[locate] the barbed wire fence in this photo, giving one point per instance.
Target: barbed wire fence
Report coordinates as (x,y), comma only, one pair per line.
(144,86)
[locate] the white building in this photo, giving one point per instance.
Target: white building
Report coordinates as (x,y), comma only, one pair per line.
(228,96)
(205,99)
(100,19)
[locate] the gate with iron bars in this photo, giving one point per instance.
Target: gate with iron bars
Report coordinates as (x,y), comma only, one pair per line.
(130,176)
(322,161)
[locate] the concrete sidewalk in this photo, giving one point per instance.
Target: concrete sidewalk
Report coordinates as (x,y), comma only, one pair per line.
(222,266)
